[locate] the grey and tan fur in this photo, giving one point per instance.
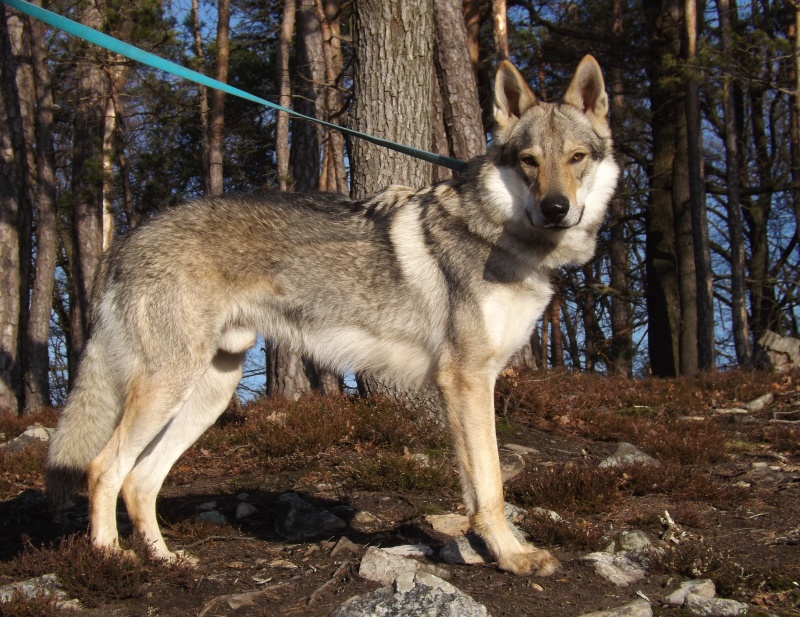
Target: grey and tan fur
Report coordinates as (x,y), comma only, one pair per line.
(438,286)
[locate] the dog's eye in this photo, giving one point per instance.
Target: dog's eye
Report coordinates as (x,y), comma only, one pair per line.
(578,157)
(529,160)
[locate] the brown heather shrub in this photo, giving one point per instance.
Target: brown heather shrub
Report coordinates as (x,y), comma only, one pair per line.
(38,606)
(700,560)
(577,534)
(94,577)
(541,395)
(569,490)
(274,428)
(22,470)
(388,471)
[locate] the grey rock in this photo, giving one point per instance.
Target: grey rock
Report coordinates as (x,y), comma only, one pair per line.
(453,525)
(627,454)
(244,509)
(383,567)
(299,520)
(344,545)
(700,587)
(714,607)
(637,608)
(213,516)
(515,447)
(33,434)
(621,569)
(47,585)
(412,594)
(209,505)
(543,513)
(632,540)
(466,550)
(511,465)
(410,550)
(761,403)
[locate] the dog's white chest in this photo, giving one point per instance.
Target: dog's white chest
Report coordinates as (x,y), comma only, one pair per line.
(510,314)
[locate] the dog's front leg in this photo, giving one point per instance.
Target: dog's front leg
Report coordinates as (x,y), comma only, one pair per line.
(469,397)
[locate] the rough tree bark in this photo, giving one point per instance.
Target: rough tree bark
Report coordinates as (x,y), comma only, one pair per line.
(741,328)
(706,352)
(36,374)
(216,107)
(13,196)
(620,353)
(87,182)
(284,94)
(391,64)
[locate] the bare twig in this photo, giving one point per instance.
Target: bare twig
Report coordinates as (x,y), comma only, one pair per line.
(313,597)
(212,538)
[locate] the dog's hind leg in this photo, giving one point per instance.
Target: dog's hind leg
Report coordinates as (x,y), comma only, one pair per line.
(470,408)
(206,403)
(151,402)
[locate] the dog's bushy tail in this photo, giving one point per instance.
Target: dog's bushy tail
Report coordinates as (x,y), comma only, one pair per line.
(89,417)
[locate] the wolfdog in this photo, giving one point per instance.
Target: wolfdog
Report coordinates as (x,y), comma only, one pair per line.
(436,287)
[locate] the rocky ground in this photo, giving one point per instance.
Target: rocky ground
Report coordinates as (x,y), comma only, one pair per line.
(659,497)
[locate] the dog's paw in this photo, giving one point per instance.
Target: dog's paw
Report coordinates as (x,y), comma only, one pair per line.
(182,558)
(531,560)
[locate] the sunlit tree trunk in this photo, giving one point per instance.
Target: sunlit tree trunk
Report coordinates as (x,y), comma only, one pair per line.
(500,29)
(87,182)
(216,107)
(284,94)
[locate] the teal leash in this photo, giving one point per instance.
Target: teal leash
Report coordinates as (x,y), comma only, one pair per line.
(134,53)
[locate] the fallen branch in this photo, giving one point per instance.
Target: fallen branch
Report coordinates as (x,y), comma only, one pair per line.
(212,538)
(313,597)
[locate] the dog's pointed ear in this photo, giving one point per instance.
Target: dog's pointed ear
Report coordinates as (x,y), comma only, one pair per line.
(512,96)
(587,91)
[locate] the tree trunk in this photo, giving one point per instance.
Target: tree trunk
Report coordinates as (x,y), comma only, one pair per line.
(216,108)
(706,353)
(87,183)
(741,328)
(202,94)
(795,119)
(284,95)
(500,29)
(37,368)
(663,295)
(457,82)
(393,45)
(394,58)
(13,198)
(620,353)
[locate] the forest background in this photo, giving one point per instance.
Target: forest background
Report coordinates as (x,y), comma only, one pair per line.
(699,255)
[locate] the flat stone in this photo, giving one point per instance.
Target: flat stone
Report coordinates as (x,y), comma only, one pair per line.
(619,569)
(244,509)
(416,593)
(628,454)
(637,608)
(511,465)
(410,550)
(466,550)
(761,403)
(520,449)
(543,513)
(714,607)
(213,516)
(701,587)
(383,567)
(632,540)
(47,585)
(453,525)
(344,545)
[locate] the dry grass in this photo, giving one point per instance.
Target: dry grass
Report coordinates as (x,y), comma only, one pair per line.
(22,470)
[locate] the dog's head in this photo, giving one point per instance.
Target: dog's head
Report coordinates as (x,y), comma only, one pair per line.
(552,157)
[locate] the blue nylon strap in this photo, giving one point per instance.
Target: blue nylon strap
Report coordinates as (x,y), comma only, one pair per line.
(134,53)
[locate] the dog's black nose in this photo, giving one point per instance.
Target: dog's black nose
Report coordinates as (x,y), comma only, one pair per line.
(555,208)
